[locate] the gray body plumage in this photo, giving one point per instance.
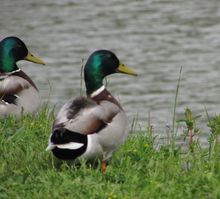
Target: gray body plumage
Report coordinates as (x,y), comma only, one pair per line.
(103,122)
(26,95)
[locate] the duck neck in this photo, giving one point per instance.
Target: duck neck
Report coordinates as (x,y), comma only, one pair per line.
(103,94)
(7,66)
(7,61)
(93,85)
(97,92)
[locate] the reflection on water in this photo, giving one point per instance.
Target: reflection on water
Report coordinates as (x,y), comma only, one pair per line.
(155,37)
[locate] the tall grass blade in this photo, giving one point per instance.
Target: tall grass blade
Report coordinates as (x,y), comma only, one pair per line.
(173,133)
(81,79)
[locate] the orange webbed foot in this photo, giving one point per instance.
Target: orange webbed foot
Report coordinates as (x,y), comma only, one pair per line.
(103,167)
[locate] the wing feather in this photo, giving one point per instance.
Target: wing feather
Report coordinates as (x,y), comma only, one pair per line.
(12,85)
(85,116)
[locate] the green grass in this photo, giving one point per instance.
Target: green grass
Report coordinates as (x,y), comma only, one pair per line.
(136,170)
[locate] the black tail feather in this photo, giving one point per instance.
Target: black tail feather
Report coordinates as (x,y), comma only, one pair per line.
(63,136)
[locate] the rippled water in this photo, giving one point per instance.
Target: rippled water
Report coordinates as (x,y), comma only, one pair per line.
(154,37)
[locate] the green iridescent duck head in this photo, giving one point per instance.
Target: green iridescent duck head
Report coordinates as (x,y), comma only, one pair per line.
(12,49)
(100,64)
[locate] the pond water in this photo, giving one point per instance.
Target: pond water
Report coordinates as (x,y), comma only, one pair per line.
(155,37)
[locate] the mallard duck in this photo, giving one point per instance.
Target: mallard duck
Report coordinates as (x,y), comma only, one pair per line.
(18,93)
(91,127)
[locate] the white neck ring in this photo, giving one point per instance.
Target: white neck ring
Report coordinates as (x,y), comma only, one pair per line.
(98,91)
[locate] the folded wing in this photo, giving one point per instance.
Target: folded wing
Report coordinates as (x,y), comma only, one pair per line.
(85,116)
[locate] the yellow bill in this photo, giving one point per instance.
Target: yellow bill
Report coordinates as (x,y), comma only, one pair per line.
(30,57)
(124,69)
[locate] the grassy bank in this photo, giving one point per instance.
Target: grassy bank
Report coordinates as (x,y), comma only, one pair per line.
(137,170)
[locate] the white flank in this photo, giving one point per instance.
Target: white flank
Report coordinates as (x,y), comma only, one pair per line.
(71,146)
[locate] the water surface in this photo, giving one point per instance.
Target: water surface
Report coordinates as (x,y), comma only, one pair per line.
(155,37)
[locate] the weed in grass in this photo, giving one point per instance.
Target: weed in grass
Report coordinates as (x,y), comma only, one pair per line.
(190,122)
(214,125)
